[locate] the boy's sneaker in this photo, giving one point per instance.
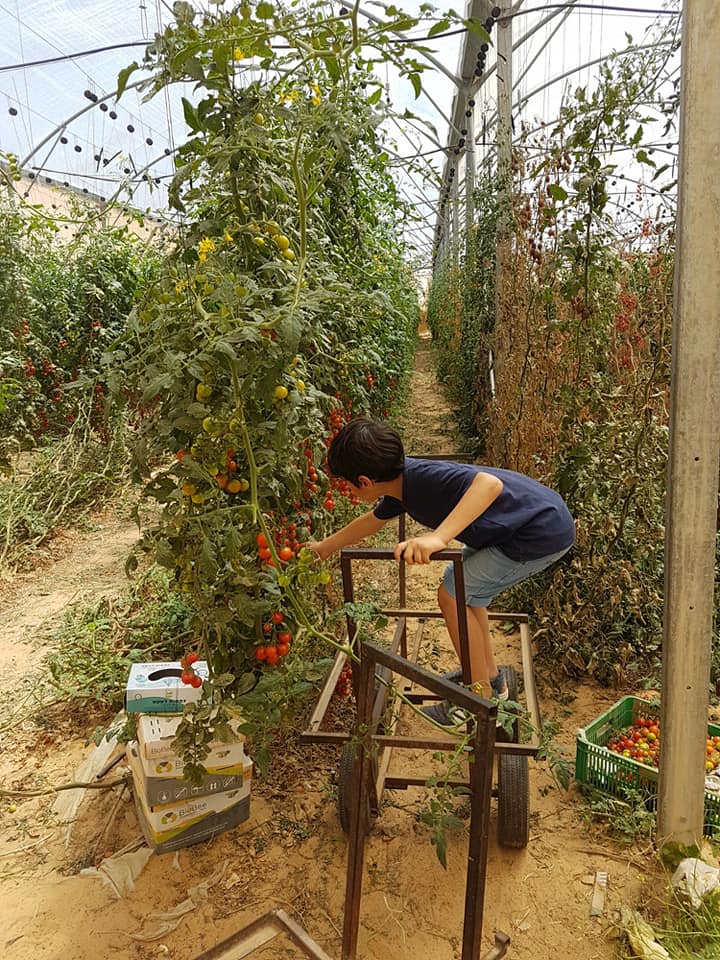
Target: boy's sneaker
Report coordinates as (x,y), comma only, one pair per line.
(440,713)
(454,676)
(498,684)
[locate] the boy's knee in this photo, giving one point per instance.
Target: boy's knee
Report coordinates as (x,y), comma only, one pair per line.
(444,597)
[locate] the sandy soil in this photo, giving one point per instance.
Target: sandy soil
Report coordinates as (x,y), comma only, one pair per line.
(291,853)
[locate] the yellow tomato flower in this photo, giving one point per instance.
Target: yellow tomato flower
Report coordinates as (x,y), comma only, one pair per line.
(205,247)
(238,54)
(227,237)
(294,95)
(316,101)
(180,286)
(315,88)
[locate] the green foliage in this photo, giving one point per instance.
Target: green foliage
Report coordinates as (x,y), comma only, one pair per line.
(684,931)
(62,478)
(96,645)
(461,316)
(61,305)
(284,309)
(439,814)
(582,368)
(627,820)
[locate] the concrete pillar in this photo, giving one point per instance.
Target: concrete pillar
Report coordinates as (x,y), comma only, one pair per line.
(694,434)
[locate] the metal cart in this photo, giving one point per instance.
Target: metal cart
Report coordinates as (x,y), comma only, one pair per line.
(512,789)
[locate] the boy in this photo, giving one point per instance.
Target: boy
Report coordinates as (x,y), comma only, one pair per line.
(511,528)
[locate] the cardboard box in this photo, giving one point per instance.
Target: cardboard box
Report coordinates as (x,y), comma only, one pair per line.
(171,826)
(170,789)
(167,841)
(157,687)
(155,743)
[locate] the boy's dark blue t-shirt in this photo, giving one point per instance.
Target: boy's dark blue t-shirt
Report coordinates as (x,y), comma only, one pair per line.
(527,520)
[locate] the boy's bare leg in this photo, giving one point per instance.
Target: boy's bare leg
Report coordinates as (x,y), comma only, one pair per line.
(482,661)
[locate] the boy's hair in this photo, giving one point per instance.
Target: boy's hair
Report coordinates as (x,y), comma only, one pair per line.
(366,448)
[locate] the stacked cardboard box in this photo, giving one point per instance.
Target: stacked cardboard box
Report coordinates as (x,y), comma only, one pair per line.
(174,812)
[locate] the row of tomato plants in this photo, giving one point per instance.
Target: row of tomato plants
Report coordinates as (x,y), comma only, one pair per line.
(578,339)
(62,304)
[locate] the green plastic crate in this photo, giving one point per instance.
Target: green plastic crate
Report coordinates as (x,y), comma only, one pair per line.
(611,773)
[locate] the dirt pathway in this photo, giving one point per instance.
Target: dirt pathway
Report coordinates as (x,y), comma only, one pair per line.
(31,606)
(292,852)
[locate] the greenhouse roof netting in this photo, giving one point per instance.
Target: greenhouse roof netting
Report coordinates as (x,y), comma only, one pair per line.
(60,116)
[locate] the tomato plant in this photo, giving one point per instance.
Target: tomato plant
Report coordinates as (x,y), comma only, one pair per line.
(285,309)
(62,306)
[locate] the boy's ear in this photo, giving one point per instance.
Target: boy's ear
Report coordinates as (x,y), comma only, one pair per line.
(364,481)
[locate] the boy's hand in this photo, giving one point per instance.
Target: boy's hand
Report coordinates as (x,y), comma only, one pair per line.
(418,549)
(317,547)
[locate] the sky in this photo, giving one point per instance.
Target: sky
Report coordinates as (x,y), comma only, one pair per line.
(106,148)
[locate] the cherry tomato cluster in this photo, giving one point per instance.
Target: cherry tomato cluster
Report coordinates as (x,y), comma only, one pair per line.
(311,484)
(225,479)
(336,421)
(286,538)
(344,684)
(641,742)
(285,552)
(369,379)
(188,675)
(280,638)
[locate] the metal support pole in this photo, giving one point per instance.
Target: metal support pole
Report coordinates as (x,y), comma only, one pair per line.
(456,219)
(691,510)
(469,179)
(504,168)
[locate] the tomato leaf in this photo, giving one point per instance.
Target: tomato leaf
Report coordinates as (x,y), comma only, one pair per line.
(164,554)
(333,68)
(123,78)
(440,27)
(475,25)
(190,114)
(193,68)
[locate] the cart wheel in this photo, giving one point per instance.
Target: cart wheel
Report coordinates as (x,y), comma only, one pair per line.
(513,801)
(512,683)
(344,791)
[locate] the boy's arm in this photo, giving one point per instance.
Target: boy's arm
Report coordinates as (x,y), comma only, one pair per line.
(484,489)
(358,529)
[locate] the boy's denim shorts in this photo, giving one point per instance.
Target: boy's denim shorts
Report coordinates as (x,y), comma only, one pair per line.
(489,571)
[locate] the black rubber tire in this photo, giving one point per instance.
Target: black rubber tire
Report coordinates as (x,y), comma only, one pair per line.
(344,790)
(513,801)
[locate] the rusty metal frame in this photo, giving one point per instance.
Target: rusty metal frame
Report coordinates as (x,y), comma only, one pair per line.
(260,932)
(313,732)
(481,772)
